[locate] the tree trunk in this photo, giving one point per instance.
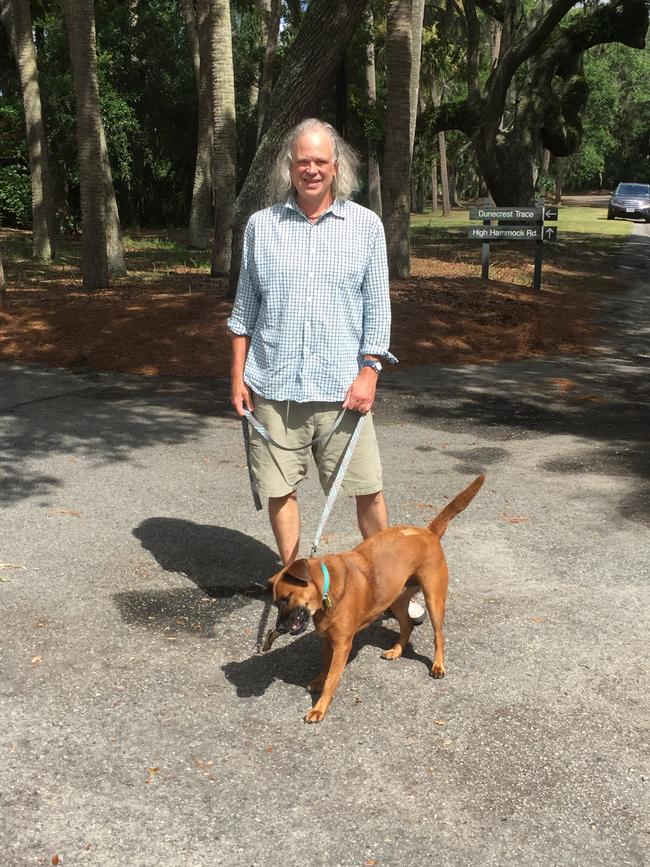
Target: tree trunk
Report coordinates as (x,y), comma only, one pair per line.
(309,65)
(266,84)
(434,186)
(16,18)
(3,291)
(560,171)
(374,180)
(417,16)
(444,174)
(215,41)
(114,245)
(200,228)
(397,152)
(80,22)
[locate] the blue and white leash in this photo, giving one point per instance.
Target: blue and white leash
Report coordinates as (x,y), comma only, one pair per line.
(331,497)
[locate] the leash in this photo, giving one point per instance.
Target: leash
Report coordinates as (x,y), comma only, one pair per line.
(249,419)
(331,497)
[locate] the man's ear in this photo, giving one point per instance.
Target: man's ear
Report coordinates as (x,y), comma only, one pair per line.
(299,570)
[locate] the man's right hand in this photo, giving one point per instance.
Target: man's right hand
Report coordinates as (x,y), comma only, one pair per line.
(241,397)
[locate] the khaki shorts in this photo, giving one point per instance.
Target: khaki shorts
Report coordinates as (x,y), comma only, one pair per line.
(278,472)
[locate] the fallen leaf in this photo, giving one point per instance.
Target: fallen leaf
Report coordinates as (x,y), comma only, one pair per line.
(563,385)
(153,770)
(71,512)
(439,722)
(424,506)
(538,619)
(36,659)
(370,862)
(514,519)
(269,749)
(56,859)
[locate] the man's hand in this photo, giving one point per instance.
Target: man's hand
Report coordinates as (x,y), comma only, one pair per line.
(241,397)
(361,394)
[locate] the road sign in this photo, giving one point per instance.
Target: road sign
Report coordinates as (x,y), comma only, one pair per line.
(509,228)
(511,212)
(503,233)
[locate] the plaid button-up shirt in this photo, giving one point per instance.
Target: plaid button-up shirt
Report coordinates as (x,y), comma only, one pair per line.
(314,299)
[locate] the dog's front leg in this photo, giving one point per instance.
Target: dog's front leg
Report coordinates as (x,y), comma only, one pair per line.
(340,653)
(316,684)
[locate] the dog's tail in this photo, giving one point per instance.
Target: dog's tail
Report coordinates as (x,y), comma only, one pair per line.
(462,501)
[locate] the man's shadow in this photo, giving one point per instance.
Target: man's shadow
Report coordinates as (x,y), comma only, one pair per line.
(227,568)
(297,661)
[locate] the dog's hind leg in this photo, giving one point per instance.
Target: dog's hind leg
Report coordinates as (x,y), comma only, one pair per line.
(316,685)
(400,609)
(434,586)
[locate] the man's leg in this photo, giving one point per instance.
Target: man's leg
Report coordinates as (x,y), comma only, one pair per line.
(285,521)
(372,513)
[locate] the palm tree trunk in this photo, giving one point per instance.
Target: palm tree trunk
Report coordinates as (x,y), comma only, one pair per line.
(266,83)
(16,18)
(200,228)
(444,174)
(80,21)
(114,245)
(374,179)
(397,152)
(215,41)
(417,16)
(434,186)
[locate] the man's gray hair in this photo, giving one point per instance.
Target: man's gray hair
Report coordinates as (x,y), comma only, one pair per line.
(346,158)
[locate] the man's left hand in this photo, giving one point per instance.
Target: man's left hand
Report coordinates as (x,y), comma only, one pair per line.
(361,394)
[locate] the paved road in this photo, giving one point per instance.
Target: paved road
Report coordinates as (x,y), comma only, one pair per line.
(140,728)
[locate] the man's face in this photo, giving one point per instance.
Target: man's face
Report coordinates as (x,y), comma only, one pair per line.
(312,168)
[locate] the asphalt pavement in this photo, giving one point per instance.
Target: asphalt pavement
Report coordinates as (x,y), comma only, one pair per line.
(139,725)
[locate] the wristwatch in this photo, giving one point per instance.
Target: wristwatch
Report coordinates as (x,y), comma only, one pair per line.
(376,365)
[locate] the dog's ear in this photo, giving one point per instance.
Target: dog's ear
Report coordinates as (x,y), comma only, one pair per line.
(299,570)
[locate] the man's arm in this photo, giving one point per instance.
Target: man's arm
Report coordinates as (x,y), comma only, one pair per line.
(240,394)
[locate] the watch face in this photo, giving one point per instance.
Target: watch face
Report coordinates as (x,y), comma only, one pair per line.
(376,365)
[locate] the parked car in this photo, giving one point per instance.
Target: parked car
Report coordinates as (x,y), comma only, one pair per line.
(630,200)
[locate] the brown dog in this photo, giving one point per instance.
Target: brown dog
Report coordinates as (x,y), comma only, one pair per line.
(382,572)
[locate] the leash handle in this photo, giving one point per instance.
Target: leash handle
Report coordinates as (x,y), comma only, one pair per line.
(262,431)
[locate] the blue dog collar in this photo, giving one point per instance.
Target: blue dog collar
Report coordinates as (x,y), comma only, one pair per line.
(327,601)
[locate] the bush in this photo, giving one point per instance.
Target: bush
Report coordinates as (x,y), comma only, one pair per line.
(15,196)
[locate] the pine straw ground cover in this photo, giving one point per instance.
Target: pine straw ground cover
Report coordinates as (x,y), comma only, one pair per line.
(167,316)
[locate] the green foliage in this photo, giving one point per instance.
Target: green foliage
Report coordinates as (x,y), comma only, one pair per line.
(616,121)
(15,195)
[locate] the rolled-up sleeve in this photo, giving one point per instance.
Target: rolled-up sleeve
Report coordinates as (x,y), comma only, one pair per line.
(247,299)
(375,291)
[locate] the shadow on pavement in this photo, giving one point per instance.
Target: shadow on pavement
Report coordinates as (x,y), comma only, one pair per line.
(213,558)
(299,660)
(101,423)
(227,567)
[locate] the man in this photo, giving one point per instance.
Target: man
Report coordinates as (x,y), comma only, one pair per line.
(310,325)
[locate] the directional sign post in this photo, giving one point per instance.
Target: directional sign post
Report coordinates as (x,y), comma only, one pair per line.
(515,223)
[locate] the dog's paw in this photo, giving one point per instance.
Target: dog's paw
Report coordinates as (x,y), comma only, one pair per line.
(437,671)
(314,715)
(394,653)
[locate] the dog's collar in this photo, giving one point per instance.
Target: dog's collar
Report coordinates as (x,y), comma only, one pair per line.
(327,599)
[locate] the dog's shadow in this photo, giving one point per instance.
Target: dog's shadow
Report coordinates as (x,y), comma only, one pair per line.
(299,661)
